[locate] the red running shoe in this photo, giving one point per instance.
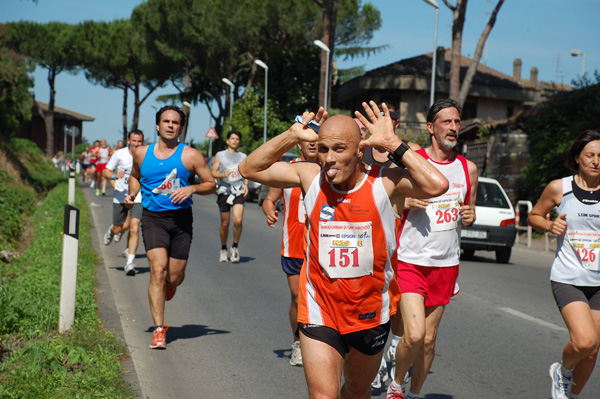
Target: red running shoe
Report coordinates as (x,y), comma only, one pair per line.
(170,291)
(158,337)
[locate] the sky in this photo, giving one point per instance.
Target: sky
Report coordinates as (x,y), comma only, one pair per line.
(539,32)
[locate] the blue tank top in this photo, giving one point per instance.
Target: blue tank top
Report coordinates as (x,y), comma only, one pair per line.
(160,177)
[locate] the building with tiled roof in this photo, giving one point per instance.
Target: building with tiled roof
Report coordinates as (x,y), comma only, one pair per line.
(35,130)
(406,84)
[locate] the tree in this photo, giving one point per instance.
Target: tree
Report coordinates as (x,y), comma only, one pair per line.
(346,27)
(52,46)
(15,100)
(459,14)
(208,40)
(116,55)
(551,129)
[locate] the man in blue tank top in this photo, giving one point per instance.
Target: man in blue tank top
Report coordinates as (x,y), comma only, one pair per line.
(164,172)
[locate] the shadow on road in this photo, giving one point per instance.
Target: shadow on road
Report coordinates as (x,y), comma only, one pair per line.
(189,331)
(283,353)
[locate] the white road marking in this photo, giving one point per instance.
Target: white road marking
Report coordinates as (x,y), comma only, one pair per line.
(533,319)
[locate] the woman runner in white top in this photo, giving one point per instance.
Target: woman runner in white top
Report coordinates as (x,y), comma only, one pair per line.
(575,273)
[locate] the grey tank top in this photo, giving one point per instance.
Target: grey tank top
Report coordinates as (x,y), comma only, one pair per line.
(229,161)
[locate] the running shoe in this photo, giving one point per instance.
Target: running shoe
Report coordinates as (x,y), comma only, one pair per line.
(235,255)
(296,358)
(170,291)
(159,340)
(382,375)
(103,192)
(223,255)
(92,184)
(117,237)
(97,192)
(108,236)
(130,269)
(561,385)
(376,384)
(394,393)
(390,356)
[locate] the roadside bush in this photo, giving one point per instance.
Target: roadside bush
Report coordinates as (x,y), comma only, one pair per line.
(40,171)
(15,204)
(82,363)
(553,127)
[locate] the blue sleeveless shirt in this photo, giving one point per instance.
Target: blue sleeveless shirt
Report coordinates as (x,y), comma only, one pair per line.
(160,177)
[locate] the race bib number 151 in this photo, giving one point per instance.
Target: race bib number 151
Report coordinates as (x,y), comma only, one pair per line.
(346,249)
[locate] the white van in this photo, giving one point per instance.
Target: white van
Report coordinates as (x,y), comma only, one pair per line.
(494,228)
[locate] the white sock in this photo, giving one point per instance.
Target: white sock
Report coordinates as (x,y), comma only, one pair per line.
(395,387)
(130,258)
(565,372)
(410,395)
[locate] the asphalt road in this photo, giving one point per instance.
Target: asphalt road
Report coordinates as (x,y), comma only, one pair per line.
(229,333)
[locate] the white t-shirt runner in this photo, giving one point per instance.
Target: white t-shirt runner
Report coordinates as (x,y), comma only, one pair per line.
(122,160)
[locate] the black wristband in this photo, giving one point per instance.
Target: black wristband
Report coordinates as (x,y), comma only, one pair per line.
(396,156)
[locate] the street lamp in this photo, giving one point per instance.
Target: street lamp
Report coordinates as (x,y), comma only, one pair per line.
(324,47)
(434,4)
(230,84)
(266,68)
(575,53)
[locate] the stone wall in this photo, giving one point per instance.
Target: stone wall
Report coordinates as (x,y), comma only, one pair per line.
(506,159)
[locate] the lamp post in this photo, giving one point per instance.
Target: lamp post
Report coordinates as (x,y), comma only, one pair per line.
(324,47)
(266,68)
(575,53)
(434,4)
(230,84)
(187,109)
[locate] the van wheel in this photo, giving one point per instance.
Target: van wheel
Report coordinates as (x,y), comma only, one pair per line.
(468,253)
(503,255)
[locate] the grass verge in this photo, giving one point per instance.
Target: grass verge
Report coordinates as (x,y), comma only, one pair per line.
(35,360)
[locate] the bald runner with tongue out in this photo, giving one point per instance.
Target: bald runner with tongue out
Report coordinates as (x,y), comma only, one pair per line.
(348,291)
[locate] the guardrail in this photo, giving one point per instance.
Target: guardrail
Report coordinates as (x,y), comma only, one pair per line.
(528,228)
(518,221)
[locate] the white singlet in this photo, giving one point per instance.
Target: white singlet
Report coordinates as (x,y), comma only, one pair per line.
(431,236)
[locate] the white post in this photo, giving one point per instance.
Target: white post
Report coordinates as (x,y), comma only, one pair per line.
(73,146)
(71,196)
(68,285)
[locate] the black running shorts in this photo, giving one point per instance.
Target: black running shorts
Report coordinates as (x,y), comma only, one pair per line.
(368,342)
(564,294)
(171,230)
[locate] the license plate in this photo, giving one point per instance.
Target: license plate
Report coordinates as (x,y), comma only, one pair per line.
(481,234)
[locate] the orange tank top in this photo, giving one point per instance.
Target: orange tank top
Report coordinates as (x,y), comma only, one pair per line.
(348,281)
(293,238)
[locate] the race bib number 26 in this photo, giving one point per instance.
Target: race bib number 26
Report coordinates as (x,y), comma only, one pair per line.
(587,245)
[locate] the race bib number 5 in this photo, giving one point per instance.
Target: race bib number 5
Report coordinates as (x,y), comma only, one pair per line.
(587,245)
(346,249)
(443,211)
